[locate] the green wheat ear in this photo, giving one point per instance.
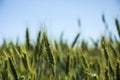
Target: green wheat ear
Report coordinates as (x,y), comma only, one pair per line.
(117,26)
(75,40)
(105,50)
(49,52)
(104,21)
(107,74)
(27,39)
(25,61)
(38,38)
(38,47)
(14,72)
(5,71)
(114,51)
(50,55)
(67,65)
(118,70)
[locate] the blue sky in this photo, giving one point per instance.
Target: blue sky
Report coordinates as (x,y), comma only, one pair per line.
(56,16)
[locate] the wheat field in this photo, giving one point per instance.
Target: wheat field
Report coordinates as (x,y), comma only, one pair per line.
(45,60)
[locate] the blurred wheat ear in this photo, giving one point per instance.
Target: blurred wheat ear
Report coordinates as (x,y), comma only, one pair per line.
(27,39)
(118,70)
(14,72)
(75,40)
(117,26)
(104,21)
(67,65)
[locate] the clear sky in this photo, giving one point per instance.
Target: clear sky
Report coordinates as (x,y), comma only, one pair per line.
(57,16)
